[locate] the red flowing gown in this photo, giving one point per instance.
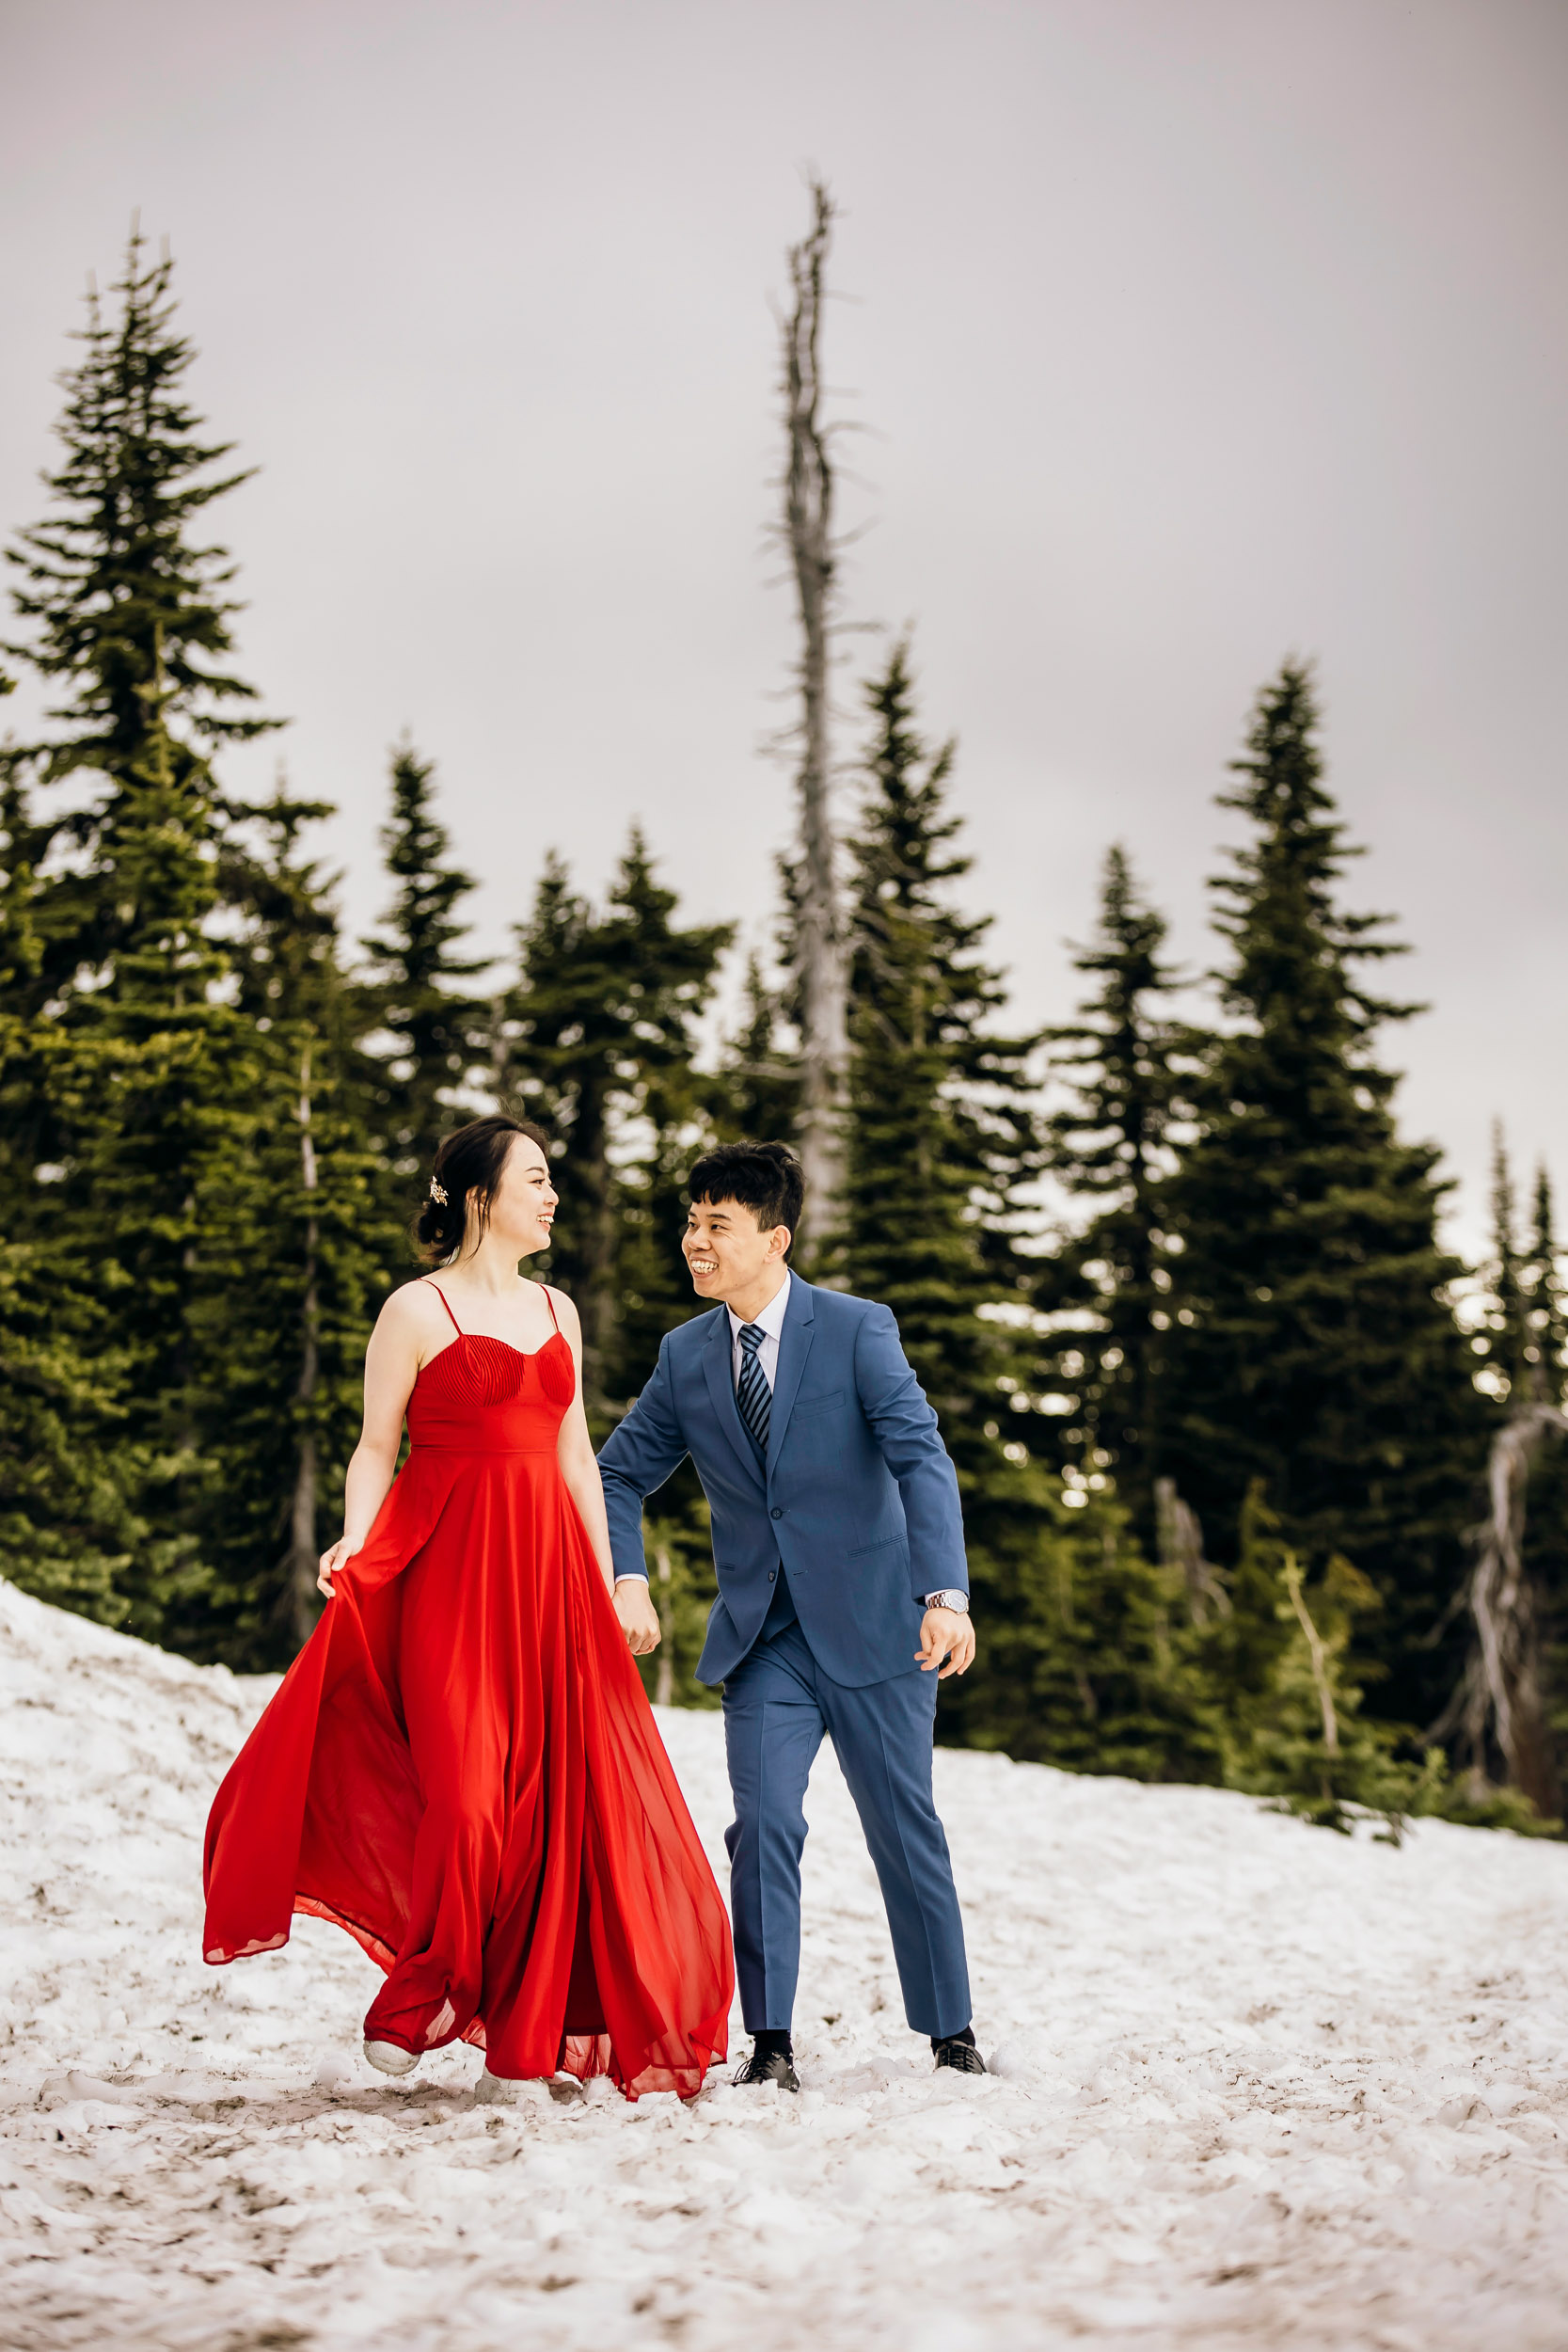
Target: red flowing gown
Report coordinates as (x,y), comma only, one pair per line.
(462,1769)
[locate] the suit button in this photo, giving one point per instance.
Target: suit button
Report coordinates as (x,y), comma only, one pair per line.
(776,1514)
(771,1574)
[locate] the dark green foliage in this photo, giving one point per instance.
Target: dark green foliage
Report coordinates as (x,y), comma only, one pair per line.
(1504,1336)
(1313,1346)
(1541,1277)
(1523,1330)
(1075,1662)
(69,1528)
(681,1580)
(129,620)
(1088,1658)
(162,982)
(939,1137)
(1104,1291)
(308,1242)
(759,1081)
(596,1043)
(431,1054)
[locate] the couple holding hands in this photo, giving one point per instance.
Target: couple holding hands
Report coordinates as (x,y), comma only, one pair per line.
(461,1765)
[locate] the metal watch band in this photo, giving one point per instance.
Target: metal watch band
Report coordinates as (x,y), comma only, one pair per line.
(949,1600)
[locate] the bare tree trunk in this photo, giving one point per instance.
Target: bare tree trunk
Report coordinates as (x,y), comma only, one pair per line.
(1500,1694)
(819,930)
(1319,1658)
(1181,1542)
(301,1604)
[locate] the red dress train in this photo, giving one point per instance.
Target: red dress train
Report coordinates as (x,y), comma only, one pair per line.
(461,1768)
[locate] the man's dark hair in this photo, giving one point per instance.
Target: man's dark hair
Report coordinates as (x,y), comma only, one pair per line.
(764,1178)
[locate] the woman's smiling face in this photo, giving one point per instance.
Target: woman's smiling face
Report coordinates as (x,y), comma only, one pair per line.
(523,1206)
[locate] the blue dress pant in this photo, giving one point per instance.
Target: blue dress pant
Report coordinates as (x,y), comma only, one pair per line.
(778,1703)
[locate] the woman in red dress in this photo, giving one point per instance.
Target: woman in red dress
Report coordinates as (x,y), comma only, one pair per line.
(461,1767)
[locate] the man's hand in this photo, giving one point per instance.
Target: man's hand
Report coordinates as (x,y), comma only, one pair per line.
(946,1634)
(638,1616)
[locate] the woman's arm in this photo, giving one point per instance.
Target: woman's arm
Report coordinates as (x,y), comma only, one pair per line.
(392,1368)
(581,1473)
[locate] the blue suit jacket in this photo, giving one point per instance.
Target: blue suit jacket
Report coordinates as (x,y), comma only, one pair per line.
(858,1498)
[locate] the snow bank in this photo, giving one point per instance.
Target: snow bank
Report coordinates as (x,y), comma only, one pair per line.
(1258,2086)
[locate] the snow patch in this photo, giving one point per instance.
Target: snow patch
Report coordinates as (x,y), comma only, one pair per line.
(1254,2086)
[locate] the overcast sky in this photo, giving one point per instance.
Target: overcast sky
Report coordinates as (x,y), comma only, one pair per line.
(1182,336)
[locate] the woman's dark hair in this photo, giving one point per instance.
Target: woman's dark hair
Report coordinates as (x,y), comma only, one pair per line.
(766,1177)
(469,1161)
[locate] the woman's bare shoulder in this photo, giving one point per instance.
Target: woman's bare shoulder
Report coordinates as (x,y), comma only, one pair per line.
(412,1309)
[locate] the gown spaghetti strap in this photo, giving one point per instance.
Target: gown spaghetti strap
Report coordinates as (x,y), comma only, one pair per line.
(461,1767)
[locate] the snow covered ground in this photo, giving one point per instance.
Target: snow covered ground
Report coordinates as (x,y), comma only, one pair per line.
(1260,2087)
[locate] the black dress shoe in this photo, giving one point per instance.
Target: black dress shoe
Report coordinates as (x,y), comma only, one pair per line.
(957,2051)
(769,2063)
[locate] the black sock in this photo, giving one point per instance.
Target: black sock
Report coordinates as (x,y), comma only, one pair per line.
(771,2043)
(966,2036)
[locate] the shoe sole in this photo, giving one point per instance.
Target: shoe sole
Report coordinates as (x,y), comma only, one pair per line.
(385,2065)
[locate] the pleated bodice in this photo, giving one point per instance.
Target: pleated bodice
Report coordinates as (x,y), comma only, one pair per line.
(479,1395)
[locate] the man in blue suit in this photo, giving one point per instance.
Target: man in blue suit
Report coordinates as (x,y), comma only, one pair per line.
(843,1586)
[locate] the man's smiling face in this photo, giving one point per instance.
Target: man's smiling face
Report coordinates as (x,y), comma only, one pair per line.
(729,1254)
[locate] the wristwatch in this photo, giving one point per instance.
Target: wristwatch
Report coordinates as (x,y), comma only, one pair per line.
(957,1602)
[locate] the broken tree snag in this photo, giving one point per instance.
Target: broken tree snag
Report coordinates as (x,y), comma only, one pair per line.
(1500,1698)
(1180,1536)
(1318,1657)
(819,944)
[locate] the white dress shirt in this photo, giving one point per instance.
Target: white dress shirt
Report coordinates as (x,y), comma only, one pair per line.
(770,1322)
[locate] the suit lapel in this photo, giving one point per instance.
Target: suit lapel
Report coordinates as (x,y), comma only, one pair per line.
(720,1388)
(794,1347)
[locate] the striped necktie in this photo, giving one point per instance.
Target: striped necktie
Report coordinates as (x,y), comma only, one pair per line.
(752,1394)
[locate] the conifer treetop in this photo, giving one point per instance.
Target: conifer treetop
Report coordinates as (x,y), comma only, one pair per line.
(124,610)
(1294,943)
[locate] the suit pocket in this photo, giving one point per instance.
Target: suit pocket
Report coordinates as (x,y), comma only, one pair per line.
(881,1544)
(816,1404)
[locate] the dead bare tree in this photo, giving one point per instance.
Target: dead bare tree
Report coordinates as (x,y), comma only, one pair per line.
(1316,1653)
(1180,1540)
(1500,1694)
(299,1603)
(808,530)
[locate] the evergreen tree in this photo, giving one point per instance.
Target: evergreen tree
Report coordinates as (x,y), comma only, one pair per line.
(1313,1346)
(134,1075)
(308,1242)
(759,1077)
(1505,1336)
(153,1082)
(1106,1289)
(130,621)
(422,1079)
(598,1043)
(1285,1699)
(68,1480)
(1540,1382)
(1546,1348)
(1075,1660)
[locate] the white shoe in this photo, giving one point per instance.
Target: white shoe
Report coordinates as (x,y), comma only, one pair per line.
(495,2090)
(389,2059)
